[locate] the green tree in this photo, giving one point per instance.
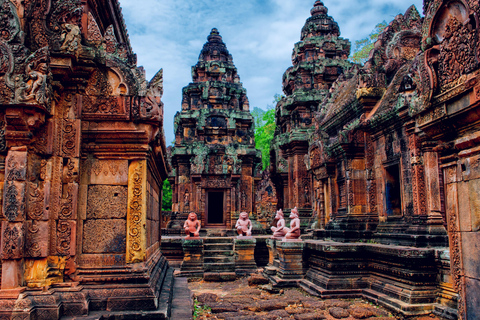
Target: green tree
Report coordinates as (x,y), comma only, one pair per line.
(265,129)
(257,114)
(363,46)
(264,135)
(167,196)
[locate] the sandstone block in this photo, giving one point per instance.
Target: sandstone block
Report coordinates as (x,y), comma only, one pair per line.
(361,313)
(13,239)
(107,202)
(37,239)
(257,279)
(471,262)
(109,172)
(14,201)
(207,298)
(338,313)
(104,236)
(16,164)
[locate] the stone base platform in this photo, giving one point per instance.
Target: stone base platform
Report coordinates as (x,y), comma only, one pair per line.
(285,268)
(145,293)
(403,279)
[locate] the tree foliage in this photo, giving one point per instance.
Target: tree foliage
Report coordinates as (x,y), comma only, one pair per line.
(265,129)
(264,136)
(363,46)
(167,196)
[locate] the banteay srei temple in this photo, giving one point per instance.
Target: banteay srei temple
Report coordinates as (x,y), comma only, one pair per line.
(373,188)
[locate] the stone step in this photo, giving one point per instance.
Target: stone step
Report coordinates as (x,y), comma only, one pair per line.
(219,267)
(219,259)
(215,253)
(217,246)
(218,240)
(219,276)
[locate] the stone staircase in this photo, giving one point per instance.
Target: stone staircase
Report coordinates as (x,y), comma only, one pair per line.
(219,259)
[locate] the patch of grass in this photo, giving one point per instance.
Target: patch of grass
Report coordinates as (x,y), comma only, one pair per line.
(199,309)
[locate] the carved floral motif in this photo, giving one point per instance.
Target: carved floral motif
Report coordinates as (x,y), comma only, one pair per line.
(35,202)
(12,240)
(457,51)
(136,215)
(93,31)
(64,234)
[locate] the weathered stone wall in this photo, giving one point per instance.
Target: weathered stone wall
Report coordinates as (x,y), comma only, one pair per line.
(394,152)
(83,154)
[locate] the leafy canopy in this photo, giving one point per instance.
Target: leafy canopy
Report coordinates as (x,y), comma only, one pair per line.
(265,129)
(363,46)
(167,196)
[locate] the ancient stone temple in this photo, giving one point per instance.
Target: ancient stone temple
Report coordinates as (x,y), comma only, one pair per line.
(82,159)
(214,158)
(362,159)
(393,166)
(318,59)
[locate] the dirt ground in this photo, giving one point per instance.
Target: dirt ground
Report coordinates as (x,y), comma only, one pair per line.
(247,298)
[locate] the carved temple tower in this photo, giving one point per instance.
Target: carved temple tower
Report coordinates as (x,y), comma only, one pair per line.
(318,59)
(214,157)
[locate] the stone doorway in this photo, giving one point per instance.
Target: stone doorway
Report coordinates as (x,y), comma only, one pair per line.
(215,208)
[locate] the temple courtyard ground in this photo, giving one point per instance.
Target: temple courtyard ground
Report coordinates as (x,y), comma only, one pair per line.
(253,298)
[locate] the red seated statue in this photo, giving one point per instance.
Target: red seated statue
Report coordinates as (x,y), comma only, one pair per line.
(192,226)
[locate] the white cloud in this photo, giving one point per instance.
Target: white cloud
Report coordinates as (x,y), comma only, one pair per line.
(260,34)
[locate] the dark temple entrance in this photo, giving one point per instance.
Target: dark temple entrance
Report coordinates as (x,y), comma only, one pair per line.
(215,208)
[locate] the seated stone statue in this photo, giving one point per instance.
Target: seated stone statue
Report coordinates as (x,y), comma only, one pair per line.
(294,231)
(244,225)
(279,230)
(192,226)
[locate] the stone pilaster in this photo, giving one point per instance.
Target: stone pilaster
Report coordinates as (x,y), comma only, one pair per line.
(137,212)
(432,184)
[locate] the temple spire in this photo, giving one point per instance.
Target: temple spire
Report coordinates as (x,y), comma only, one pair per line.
(215,49)
(320,24)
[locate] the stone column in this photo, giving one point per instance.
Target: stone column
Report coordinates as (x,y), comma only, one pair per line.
(244,256)
(192,264)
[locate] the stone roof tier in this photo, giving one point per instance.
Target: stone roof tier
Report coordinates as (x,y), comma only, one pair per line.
(319,24)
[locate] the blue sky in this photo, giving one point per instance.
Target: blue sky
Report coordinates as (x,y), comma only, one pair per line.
(259,34)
